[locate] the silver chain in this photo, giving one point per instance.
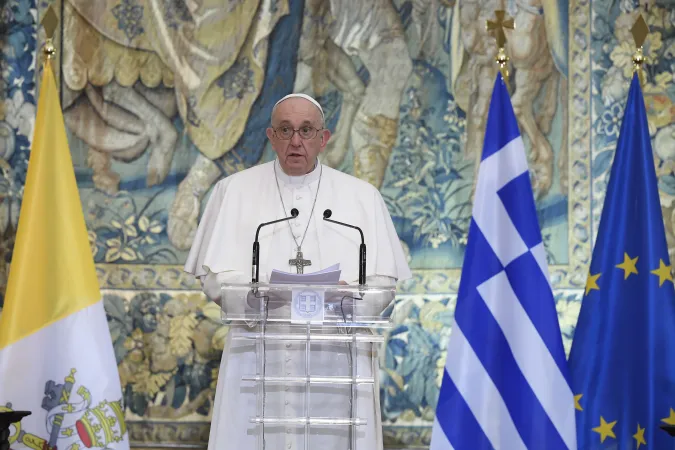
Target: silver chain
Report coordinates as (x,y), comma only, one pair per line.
(299,246)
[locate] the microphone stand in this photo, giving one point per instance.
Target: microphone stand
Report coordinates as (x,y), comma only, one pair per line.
(362,282)
(362,249)
(256,245)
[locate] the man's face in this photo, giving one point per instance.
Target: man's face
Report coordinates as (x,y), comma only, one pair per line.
(297,155)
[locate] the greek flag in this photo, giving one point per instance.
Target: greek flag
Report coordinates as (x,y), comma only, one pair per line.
(505,383)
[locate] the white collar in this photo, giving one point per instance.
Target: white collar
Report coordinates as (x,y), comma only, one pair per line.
(298,181)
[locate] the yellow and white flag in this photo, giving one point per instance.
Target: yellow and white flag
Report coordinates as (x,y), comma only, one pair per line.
(56,354)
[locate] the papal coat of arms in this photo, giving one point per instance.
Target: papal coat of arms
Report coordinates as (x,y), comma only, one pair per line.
(73,420)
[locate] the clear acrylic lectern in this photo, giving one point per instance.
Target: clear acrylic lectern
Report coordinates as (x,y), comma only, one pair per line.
(316,372)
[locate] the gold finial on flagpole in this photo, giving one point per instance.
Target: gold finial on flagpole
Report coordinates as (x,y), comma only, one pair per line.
(497,28)
(640,30)
(49,22)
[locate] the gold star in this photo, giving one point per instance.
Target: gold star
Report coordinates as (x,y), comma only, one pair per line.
(628,265)
(670,420)
(592,283)
(664,273)
(577,405)
(640,436)
(605,429)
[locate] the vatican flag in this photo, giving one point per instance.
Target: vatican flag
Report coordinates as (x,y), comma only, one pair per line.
(56,354)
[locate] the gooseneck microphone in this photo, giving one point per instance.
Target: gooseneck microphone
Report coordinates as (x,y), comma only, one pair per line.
(362,249)
(256,245)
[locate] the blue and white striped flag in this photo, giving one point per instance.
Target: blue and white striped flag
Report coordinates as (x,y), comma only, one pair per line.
(505,384)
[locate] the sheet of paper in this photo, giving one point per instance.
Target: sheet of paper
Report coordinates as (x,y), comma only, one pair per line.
(329,275)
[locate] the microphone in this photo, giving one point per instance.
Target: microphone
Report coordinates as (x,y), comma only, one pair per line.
(256,245)
(362,249)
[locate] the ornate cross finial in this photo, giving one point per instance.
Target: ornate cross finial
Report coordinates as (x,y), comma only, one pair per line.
(49,22)
(496,28)
(639,31)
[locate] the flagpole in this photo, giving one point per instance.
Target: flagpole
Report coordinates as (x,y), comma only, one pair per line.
(49,50)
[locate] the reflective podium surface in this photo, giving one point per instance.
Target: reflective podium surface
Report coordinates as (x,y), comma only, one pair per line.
(315,378)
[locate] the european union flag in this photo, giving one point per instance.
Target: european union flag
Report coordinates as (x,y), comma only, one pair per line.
(505,383)
(622,363)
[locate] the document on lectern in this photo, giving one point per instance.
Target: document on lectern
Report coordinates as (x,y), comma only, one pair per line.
(329,275)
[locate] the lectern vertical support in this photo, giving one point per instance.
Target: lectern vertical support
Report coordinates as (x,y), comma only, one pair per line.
(307,385)
(355,371)
(260,366)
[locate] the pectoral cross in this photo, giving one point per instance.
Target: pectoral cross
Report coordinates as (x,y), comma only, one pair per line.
(299,262)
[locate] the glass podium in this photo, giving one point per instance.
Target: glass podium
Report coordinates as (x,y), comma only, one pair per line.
(315,378)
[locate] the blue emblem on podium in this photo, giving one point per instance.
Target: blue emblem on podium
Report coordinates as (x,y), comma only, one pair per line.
(307,306)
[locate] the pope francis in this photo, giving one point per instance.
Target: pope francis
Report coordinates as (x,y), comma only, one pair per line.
(221,253)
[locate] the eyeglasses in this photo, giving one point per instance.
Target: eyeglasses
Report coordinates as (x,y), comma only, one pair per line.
(286,133)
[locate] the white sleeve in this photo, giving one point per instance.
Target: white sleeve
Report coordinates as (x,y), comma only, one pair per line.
(211,282)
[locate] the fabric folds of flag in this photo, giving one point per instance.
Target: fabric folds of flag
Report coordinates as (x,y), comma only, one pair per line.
(622,363)
(56,354)
(505,383)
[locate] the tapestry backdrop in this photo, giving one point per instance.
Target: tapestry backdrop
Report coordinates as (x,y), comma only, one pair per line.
(164,98)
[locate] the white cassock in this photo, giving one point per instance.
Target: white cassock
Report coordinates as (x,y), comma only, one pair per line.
(221,253)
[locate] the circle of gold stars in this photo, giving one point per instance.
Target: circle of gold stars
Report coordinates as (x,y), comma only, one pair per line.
(629,267)
(606,429)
